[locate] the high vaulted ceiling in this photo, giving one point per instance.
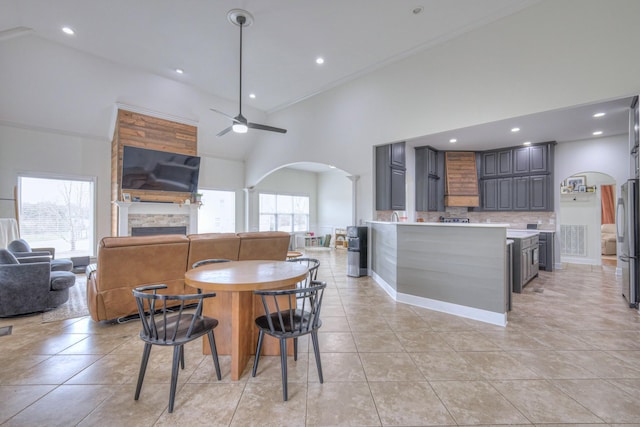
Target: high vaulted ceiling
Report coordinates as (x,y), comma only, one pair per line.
(280,47)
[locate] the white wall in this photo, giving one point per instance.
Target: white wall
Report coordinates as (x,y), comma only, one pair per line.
(334,200)
(553,55)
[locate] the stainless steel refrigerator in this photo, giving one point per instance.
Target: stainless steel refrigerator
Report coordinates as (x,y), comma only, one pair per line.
(627,231)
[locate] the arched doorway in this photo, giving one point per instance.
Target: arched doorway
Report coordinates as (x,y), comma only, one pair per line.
(587,202)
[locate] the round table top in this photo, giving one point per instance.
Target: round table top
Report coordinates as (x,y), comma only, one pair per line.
(293,254)
(245,275)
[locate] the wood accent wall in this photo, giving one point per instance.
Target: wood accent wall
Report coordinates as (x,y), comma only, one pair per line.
(140,130)
(461,185)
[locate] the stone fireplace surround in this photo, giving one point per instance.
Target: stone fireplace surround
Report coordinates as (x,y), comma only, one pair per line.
(153,214)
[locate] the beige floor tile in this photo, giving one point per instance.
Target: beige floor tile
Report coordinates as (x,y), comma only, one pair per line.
(498,365)
(261,404)
(445,365)
(542,403)
(604,365)
(203,404)
(390,367)
(335,342)
(551,364)
(477,402)
(423,340)
(337,367)
(377,342)
(54,370)
(409,403)
(612,404)
(337,404)
(469,341)
(65,406)
(269,369)
(15,398)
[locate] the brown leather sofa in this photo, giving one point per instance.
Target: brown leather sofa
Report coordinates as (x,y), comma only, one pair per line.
(128,262)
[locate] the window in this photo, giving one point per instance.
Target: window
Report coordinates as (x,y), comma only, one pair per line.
(218,212)
(58,213)
(281,212)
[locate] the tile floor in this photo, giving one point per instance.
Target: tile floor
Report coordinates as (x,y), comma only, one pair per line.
(570,355)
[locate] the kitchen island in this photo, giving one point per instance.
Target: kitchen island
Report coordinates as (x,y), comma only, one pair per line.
(456,268)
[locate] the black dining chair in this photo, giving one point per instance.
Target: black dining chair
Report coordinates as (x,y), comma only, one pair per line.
(312,264)
(290,313)
(168,325)
(208,261)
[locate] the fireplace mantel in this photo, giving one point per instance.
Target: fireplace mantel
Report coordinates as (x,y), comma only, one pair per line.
(126,209)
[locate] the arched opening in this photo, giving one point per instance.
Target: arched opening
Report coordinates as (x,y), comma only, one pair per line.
(587,219)
(303,199)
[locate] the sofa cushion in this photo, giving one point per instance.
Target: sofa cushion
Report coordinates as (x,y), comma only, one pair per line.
(213,245)
(264,245)
(62,280)
(7,257)
(19,245)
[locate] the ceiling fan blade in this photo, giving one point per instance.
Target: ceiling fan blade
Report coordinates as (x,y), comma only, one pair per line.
(265,127)
(224,131)
(224,114)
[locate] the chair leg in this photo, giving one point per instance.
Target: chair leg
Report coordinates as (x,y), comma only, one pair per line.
(143,368)
(258,349)
(182,357)
(214,353)
(316,352)
(283,365)
(295,348)
(174,375)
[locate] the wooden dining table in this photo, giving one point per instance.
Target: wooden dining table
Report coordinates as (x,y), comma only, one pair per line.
(236,307)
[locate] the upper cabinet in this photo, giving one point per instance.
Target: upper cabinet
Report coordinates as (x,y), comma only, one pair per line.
(429,185)
(497,163)
(390,177)
(518,178)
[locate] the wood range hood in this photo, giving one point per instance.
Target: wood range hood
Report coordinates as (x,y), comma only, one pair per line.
(461,184)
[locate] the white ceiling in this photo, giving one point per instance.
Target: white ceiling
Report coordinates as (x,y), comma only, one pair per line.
(280,48)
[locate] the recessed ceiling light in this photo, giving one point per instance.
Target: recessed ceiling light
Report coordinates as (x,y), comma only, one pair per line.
(179,71)
(68,30)
(526,143)
(598,132)
(319,60)
(515,129)
(599,114)
(453,140)
(252,95)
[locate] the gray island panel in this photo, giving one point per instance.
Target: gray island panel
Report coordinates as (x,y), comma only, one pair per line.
(456,268)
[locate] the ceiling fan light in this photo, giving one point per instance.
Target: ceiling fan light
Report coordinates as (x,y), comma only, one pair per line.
(239,128)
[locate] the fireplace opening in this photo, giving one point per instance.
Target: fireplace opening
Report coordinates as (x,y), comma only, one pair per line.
(153,231)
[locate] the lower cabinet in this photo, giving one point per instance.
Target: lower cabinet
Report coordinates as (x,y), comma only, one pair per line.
(546,240)
(525,261)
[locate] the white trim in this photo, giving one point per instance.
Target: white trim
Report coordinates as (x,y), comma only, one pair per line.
(499,319)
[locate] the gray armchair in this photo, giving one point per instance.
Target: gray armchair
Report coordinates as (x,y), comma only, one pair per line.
(31,287)
(23,252)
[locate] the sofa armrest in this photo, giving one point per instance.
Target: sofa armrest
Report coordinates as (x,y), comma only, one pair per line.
(34,259)
(91,269)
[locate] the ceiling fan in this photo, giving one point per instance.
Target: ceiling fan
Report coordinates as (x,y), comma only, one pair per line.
(240,124)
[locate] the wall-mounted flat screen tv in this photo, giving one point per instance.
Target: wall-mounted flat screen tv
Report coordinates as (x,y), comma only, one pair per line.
(145,169)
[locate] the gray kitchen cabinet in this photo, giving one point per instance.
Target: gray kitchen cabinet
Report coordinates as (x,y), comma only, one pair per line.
(525,261)
(541,198)
(429,186)
(521,193)
(390,177)
(532,159)
(496,194)
(496,163)
(530,172)
(546,241)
